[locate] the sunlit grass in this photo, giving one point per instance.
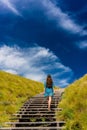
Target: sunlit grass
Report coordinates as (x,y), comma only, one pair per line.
(14,91)
(74,104)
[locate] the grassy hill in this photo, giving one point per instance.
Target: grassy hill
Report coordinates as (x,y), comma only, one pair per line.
(74,104)
(14,91)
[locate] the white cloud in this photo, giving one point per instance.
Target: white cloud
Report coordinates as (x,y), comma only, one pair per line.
(62,19)
(39,76)
(10,71)
(82,45)
(34,63)
(10,6)
(11,57)
(63,82)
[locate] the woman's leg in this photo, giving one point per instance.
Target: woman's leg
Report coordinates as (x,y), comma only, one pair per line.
(49,102)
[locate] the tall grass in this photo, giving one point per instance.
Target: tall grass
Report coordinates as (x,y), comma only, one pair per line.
(14,91)
(74,104)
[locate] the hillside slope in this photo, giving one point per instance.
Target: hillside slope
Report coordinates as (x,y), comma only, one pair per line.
(74,104)
(14,91)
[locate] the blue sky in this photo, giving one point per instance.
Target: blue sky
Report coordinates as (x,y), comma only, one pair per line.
(40,37)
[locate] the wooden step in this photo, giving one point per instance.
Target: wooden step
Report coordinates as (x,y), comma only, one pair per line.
(37,114)
(42,98)
(39,103)
(34,111)
(57,122)
(37,106)
(29,119)
(37,119)
(28,107)
(33,128)
(36,124)
(56,96)
(39,110)
(31,112)
(56,109)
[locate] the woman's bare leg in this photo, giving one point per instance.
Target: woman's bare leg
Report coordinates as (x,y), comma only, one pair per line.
(49,102)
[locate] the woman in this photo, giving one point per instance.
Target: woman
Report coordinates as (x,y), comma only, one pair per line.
(49,90)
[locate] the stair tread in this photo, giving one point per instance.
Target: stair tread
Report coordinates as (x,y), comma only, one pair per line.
(31,128)
(35,114)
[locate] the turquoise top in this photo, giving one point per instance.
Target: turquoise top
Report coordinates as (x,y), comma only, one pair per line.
(48,91)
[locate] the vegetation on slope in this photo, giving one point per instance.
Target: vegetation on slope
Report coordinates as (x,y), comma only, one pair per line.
(14,91)
(74,104)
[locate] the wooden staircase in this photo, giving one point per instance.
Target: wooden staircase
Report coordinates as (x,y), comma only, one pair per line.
(34,115)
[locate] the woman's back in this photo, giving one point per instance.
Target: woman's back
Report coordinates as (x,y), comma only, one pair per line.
(49,82)
(49,87)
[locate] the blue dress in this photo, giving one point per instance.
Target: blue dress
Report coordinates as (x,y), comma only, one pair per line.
(48,91)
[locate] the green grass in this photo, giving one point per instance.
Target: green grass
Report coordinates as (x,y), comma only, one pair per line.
(74,104)
(14,91)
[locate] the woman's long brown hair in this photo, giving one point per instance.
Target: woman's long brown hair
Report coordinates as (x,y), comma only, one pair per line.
(49,82)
